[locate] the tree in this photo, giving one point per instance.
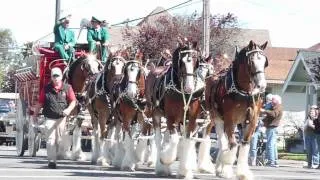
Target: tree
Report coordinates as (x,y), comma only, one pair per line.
(9,58)
(153,37)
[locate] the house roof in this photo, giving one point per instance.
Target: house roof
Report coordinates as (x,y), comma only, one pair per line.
(259,36)
(154,15)
(280,62)
(305,70)
(312,64)
(315,47)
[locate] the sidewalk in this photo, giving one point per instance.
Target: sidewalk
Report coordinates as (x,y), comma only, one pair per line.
(291,163)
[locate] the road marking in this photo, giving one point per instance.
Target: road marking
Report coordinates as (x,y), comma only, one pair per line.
(68,177)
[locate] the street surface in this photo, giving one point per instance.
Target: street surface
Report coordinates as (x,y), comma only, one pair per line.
(13,167)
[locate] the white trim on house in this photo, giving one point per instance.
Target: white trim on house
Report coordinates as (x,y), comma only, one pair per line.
(291,72)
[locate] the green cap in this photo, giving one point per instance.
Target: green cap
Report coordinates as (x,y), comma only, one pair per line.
(94,19)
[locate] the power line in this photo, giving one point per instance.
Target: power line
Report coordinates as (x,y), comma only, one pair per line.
(136,19)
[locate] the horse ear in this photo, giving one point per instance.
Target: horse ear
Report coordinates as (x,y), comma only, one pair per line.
(194,45)
(251,44)
(237,50)
(263,46)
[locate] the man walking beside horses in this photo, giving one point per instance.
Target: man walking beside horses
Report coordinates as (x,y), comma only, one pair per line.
(57,100)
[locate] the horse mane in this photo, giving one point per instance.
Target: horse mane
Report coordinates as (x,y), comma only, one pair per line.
(75,64)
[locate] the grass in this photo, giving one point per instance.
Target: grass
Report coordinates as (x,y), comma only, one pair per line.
(292,156)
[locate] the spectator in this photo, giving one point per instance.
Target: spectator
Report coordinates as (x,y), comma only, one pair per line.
(254,142)
(271,122)
(310,138)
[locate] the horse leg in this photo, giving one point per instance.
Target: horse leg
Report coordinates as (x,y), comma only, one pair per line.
(95,140)
(243,171)
(160,168)
(104,150)
(152,153)
(204,159)
(111,141)
(142,145)
(223,165)
(130,158)
(118,148)
(77,153)
(170,144)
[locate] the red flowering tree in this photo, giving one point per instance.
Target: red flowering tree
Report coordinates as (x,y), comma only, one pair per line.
(162,32)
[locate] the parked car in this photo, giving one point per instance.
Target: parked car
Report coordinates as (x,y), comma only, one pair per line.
(4,108)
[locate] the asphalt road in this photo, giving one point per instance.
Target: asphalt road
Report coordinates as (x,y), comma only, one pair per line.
(13,167)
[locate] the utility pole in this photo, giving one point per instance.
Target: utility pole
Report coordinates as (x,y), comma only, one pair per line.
(206,27)
(58,5)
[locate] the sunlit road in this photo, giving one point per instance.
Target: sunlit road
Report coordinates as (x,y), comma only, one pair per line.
(13,167)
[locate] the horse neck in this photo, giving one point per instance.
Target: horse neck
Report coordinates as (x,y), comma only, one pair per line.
(243,79)
(141,85)
(78,82)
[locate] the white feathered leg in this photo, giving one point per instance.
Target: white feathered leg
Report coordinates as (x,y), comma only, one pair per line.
(95,145)
(118,147)
(141,149)
(152,153)
(243,171)
(188,160)
(130,158)
(161,169)
(204,159)
(77,153)
(169,153)
(226,157)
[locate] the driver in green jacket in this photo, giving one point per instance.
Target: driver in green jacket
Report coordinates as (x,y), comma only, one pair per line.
(64,39)
(98,36)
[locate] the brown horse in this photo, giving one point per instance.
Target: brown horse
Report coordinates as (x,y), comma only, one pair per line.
(235,98)
(174,95)
(129,106)
(79,73)
(99,106)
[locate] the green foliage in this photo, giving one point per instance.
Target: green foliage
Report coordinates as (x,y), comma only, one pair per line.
(9,59)
(293,156)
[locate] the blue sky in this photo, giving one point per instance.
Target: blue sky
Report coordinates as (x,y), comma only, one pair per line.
(291,23)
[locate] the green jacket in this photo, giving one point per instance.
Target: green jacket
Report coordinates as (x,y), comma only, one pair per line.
(93,35)
(63,36)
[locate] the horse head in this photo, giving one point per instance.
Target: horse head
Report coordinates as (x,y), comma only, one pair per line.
(91,64)
(116,65)
(134,75)
(250,63)
(186,60)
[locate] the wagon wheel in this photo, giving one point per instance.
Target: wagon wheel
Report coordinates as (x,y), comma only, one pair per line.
(21,139)
(33,140)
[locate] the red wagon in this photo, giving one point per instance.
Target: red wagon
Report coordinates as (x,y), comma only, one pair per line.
(29,81)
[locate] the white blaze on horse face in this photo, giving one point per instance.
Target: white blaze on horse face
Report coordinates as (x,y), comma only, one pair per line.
(93,64)
(118,65)
(133,70)
(259,61)
(189,80)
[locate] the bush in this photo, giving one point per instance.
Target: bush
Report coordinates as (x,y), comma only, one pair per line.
(292,143)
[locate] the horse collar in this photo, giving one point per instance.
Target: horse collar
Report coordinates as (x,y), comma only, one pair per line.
(233,88)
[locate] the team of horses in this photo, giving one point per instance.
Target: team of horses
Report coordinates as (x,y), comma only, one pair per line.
(123,95)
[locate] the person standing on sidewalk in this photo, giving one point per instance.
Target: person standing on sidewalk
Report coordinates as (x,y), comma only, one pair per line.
(271,122)
(257,132)
(310,138)
(57,100)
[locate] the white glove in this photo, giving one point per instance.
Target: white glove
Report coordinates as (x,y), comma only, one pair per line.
(66,112)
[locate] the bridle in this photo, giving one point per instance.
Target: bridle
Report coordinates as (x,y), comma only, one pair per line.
(190,58)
